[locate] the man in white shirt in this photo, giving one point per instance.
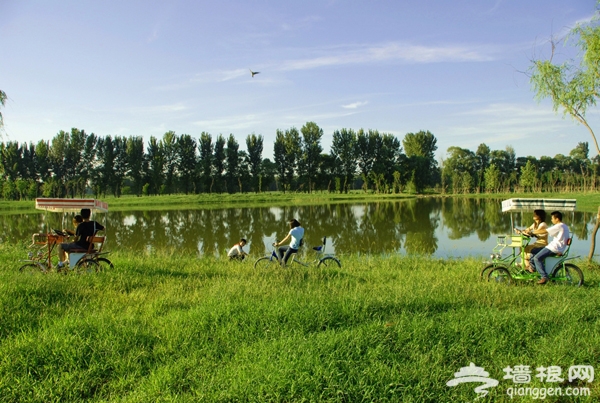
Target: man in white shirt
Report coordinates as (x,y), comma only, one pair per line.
(560,233)
(237,251)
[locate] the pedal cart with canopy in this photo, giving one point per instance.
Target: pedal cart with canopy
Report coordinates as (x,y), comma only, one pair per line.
(508,256)
(46,243)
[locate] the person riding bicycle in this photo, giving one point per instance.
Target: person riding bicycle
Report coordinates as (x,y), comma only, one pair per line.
(296,234)
(560,233)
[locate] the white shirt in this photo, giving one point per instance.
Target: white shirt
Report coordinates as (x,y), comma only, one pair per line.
(297,234)
(560,233)
(235,250)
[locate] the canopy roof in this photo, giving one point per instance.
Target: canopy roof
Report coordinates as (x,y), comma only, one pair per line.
(63,205)
(542,204)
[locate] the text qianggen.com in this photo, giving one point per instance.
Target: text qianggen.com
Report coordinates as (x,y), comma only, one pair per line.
(542,393)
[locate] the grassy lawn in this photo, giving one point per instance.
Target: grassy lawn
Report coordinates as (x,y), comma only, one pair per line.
(585,201)
(382,328)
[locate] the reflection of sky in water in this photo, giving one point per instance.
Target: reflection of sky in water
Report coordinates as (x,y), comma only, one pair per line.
(463,247)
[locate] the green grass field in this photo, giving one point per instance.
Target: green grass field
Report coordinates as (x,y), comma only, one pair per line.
(585,201)
(380,329)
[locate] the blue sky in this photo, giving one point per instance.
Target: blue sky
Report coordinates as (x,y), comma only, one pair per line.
(141,68)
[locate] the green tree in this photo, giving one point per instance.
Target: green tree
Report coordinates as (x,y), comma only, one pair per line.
(254,145)
(171,150)
(86,166)
(269,175)
(186,162)
(136,163)
(120,165)
(232,167)
(106,161)
(11,159)
(42,161)
(492,178)
(343,150)
(420,149)
(388,153)
(460,163)
(311,152)
(483,160)
(326,174)
(528,178)
(206,161)
(66,153)
(156,163)
(219,163)
(365,154)
(287,152)
(572,85)
(504,160)
(279,158)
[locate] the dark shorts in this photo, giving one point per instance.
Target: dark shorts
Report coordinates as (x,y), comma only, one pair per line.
(68,247)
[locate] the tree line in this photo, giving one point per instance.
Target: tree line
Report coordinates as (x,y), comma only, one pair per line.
(75,164)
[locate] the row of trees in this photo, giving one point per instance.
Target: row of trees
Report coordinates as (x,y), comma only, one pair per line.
(491,171)
(76,163)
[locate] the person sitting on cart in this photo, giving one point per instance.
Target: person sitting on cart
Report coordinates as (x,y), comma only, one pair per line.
(237,251)
(538,229)
(78,219)
(84,230)
(560,233)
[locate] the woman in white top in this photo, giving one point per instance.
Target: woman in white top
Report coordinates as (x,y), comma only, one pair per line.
(538,229)
(296,234)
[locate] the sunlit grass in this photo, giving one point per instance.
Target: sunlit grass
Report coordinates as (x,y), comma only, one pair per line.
(170,327)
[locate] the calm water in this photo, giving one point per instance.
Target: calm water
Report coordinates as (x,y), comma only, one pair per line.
(441,227)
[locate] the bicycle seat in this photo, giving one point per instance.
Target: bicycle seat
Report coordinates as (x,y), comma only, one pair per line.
(318,248)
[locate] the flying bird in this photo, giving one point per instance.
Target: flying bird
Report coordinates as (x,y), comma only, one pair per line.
(254,72)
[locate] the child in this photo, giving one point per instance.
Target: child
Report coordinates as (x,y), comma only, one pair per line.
(78,219)
(237,251)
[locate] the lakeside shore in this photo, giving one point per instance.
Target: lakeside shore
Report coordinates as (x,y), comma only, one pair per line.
(588,202)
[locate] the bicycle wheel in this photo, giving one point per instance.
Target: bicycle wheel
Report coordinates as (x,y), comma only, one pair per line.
(486,271)
(266,262)
(33,268)
(567,274)
(329,261)
(104,264)
(86,266)
(500,275)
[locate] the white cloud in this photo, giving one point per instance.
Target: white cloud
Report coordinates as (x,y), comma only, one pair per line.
(354,105)
(393,52)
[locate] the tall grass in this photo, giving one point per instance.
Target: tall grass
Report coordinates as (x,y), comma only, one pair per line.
(172,328)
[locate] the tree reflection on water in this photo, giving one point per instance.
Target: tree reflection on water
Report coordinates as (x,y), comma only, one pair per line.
(427,226)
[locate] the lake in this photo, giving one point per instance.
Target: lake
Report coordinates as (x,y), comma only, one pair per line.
(440,227)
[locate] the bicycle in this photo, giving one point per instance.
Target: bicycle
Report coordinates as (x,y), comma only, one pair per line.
(506,269)
(322,259)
